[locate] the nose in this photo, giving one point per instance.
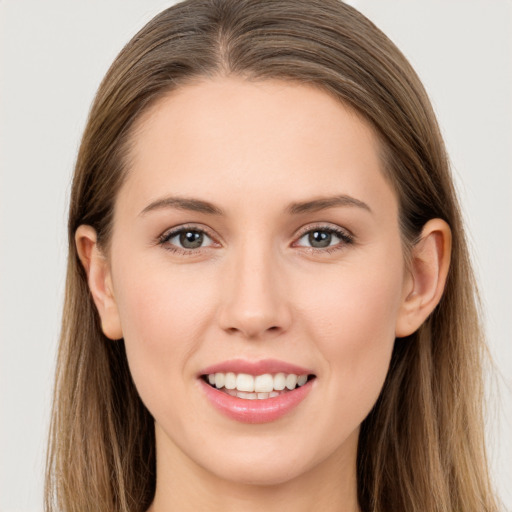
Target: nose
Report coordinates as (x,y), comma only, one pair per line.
(254,303)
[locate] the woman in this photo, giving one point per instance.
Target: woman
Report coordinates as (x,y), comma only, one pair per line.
(269,299)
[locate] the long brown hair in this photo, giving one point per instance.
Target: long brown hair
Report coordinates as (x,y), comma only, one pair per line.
(422,447)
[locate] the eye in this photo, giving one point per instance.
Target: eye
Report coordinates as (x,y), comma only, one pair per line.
(324,237)
(185,239)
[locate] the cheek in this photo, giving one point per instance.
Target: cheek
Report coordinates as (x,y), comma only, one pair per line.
(163,316)
(357,305)
(353,323)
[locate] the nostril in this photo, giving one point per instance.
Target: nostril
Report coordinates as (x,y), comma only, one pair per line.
(253,333)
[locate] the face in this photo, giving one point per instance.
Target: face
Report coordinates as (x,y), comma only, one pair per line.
(256,235)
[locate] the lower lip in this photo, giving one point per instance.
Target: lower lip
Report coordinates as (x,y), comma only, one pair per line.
(256,411)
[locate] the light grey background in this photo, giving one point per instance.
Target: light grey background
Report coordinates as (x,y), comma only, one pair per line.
(53,55)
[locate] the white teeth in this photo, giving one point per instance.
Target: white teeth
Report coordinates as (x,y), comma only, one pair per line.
(264,383)
(219,380)
(247,396)
(245,382)
(279,381)
(291,381)
(230,381)
(259,386)
(301,380)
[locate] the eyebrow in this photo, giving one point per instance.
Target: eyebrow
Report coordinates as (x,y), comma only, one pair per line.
(183,203)
(201,206)
(324,203)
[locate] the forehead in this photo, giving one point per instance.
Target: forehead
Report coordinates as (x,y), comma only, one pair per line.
(228,138)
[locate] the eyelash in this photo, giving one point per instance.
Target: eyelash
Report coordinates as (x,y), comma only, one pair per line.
(164,239)
(346,239)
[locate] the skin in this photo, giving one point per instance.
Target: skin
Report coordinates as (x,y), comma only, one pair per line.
(257,289)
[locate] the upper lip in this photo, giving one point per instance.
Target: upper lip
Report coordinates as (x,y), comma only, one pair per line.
(255,367)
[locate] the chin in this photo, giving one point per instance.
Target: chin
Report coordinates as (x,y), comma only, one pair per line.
(268,473)
(262,462)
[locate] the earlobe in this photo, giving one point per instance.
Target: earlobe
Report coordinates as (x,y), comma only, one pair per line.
(99,280)
(429,264)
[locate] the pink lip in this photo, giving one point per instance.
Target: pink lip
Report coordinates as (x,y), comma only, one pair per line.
(255,411)
(255,367)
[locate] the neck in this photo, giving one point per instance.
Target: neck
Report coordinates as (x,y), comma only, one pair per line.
(182,485)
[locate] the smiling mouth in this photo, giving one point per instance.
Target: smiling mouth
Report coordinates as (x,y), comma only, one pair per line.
(256,387)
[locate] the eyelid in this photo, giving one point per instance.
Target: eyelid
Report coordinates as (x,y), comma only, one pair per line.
(344,234)
(170,233)
(326,226)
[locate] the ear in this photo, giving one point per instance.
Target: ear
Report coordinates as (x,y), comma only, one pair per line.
(99,280)
(424,285)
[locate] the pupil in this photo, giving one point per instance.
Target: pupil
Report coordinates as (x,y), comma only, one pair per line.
(320,239)
(191,239)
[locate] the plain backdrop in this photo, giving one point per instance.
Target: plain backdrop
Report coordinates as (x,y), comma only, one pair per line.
(53,55)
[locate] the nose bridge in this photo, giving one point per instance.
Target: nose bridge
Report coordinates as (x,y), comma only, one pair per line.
(253,302)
